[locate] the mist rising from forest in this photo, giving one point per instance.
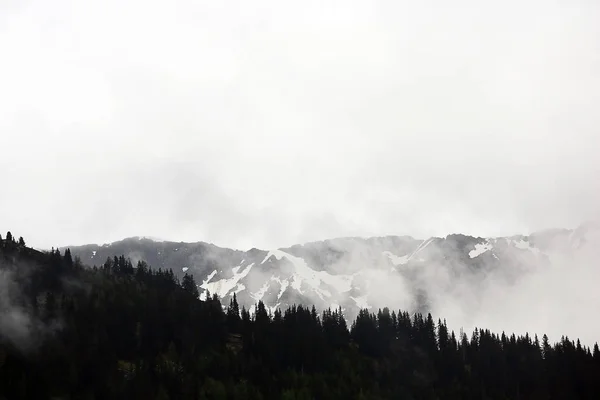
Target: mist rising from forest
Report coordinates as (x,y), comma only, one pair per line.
(530,293)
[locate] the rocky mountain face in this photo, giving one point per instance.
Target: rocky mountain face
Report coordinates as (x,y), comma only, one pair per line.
(354,273)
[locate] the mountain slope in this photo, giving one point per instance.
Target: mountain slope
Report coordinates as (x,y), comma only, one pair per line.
(70,332)
(355,273)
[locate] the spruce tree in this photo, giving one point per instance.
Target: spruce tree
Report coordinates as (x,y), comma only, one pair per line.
(188,284)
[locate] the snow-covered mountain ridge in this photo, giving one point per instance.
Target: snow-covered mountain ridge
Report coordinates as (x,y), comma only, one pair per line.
(354,273)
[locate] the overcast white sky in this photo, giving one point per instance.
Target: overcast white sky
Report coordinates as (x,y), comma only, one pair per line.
(267,123)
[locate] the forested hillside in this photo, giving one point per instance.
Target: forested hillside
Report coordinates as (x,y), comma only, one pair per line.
(417,275)
(124,331)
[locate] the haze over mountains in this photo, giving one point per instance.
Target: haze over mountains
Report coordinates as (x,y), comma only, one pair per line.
(539,282)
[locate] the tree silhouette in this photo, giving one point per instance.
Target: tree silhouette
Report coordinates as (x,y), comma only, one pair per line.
(116,332)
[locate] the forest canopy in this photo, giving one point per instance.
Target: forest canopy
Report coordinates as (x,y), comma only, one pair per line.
(122,331)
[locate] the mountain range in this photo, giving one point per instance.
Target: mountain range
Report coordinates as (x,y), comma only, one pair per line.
(355,273)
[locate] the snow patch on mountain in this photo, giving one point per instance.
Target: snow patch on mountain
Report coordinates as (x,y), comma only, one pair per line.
(322,293)
(209,277)
(480,248)
(239,288)
(205,285)
(420,248)
(152,238)
(261,292)
(296,283)
(303,273)
(271,310)
(223,286)
(361,301)
(284,284)
(396,260)
(184,269)
(524,245)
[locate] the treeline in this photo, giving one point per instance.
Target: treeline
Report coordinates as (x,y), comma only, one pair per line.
(122,332)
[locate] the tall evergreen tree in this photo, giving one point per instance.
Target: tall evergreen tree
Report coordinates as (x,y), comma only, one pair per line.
(189,285)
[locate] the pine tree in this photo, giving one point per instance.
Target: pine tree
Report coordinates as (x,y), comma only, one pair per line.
(189,285)
(261,317)
(546,348)
(233,315)
(68,258)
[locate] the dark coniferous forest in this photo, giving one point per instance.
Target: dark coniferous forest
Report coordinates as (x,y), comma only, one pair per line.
(120,331)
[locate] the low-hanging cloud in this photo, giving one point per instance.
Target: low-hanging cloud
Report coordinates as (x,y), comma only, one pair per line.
(271,123)
(18,323)
(552,292)
(520,284)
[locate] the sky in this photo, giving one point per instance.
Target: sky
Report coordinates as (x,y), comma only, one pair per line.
(269,123)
